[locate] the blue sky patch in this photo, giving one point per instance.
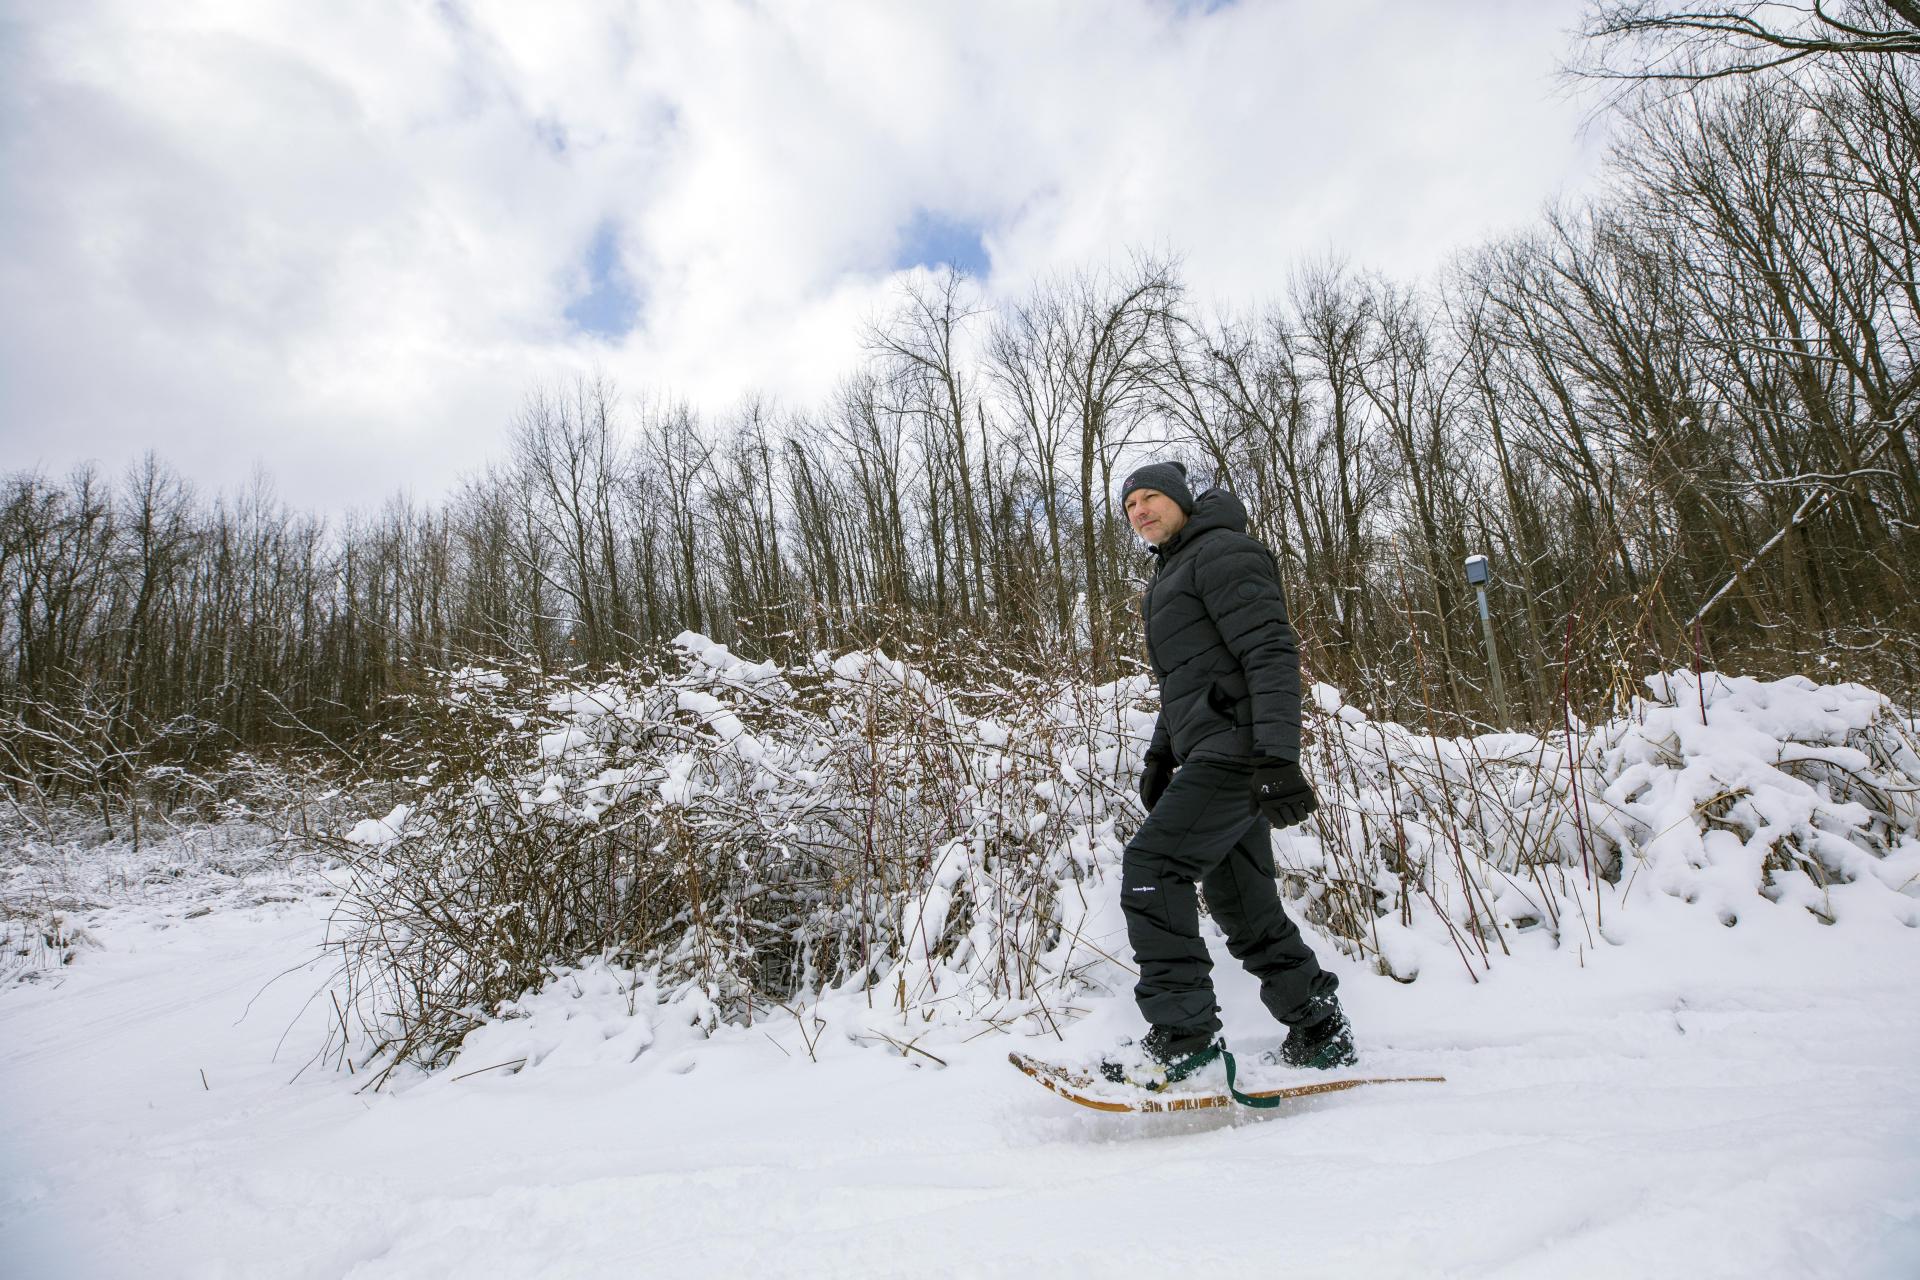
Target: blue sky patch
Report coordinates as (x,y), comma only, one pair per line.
(610,308)
(935,240)
(551,134)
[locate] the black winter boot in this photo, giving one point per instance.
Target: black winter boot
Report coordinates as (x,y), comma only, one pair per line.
(1322,1042)
(1163,1056)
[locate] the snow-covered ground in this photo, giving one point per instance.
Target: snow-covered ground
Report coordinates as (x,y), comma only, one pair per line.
(1668,965)
(1705,1101)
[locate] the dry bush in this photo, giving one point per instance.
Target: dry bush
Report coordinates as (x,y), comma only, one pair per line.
(1704,787)
(749,836)
(751,832)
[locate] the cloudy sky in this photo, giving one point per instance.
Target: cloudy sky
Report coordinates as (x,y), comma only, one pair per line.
(341,241)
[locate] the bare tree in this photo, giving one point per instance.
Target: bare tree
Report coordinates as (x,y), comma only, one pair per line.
(927,378)
(1112,372)
(1643,42)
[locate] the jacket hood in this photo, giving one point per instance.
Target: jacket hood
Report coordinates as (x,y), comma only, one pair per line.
(1214,509)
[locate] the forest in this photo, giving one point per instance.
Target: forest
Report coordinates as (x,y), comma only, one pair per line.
(1679,419)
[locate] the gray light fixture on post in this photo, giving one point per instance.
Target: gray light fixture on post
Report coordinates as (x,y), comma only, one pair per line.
(1477,579)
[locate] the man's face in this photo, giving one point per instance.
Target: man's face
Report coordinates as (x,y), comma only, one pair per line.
(1154,516)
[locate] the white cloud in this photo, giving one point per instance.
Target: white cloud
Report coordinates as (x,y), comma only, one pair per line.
(340,241)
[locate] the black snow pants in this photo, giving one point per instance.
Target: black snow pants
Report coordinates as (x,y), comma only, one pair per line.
(1205,829)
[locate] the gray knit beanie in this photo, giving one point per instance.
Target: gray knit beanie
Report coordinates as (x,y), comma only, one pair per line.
(1169,478)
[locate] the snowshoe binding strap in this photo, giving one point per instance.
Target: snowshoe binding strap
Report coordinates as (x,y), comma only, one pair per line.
(1245,1100)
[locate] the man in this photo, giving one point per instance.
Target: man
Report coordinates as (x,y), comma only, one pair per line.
(1221,772)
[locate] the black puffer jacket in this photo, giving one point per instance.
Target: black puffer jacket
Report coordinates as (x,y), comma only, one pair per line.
(1220,643)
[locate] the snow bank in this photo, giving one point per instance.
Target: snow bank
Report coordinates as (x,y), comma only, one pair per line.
(1730,793)
(737,838)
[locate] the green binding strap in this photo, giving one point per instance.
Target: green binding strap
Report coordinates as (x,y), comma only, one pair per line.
(1244,1099)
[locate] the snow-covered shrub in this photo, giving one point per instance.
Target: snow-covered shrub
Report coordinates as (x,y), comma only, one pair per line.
(745,837)
(754,832)
(1712,788)
(233,832)
(1721,785)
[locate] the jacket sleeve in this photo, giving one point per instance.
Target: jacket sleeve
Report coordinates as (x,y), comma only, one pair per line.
(1239,586)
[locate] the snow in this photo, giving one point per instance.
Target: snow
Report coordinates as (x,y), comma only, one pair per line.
(378,832)
(1714,790)
(1667,965)
(715,715)
(1706,1102)
(679,786)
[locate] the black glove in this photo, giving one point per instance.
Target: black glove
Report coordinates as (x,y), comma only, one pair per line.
(1282,792)
(1156,771)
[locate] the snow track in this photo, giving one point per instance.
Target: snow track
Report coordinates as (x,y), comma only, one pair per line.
(1706,1102)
